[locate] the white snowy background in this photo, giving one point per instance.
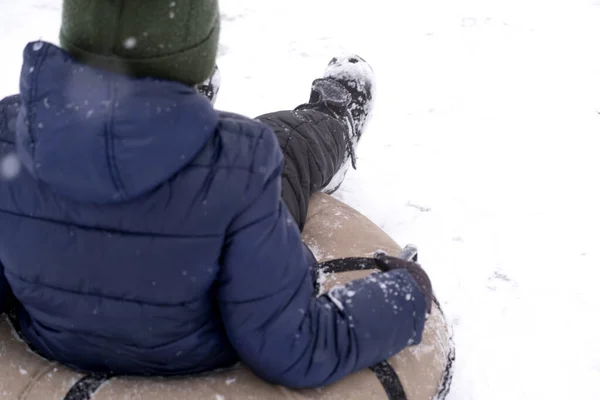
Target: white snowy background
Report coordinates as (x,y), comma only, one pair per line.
(484,151)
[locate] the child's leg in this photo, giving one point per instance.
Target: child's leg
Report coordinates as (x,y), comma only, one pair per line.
(319,138)
(313,144)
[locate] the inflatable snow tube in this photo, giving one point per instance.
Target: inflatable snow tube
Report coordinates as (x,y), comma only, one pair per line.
(333,231)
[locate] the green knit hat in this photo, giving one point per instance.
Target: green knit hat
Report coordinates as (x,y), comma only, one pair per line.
(166,39)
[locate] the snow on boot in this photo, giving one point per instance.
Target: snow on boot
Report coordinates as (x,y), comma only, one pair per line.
(210,87)
(356,75)
(346,90)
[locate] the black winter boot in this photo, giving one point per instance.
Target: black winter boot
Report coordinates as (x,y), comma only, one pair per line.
(346,93)
(210,87)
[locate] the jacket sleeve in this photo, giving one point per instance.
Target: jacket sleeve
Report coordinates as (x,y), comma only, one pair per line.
(278,328)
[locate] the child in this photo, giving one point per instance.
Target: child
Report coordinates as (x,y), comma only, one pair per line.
(145,232)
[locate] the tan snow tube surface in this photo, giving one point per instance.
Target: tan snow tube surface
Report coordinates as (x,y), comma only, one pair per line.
(333,230)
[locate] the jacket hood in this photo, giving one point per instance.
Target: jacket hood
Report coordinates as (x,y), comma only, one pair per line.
(99,137)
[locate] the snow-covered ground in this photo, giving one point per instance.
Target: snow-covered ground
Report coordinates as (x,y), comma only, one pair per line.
(483,151)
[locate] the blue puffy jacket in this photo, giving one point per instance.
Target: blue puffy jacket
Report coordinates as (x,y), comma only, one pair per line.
(143,233)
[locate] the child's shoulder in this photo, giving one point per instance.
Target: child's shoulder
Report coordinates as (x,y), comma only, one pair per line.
(9,110)
(244,142)
(10,102)
(240,125)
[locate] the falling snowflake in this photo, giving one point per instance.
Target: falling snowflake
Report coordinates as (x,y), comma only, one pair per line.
(10,166)
(130,43)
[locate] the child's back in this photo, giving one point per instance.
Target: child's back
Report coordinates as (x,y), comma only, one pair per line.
(129,190)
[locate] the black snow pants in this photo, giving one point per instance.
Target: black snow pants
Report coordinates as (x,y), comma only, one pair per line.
(313,144)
